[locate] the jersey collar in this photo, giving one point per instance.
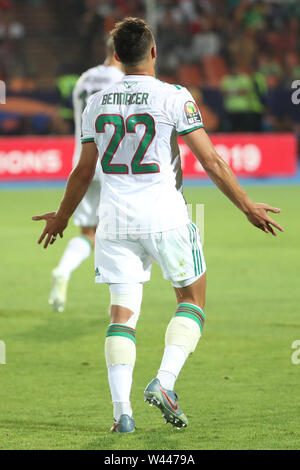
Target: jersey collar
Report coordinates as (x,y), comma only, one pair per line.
(138,77)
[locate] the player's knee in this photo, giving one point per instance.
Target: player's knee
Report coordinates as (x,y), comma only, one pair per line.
(193,293)
(120,314)
(125,301)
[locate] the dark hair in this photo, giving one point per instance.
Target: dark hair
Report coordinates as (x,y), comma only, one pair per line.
(132,38)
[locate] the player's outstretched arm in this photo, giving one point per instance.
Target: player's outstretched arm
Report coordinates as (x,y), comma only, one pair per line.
(222,175)
(77,185)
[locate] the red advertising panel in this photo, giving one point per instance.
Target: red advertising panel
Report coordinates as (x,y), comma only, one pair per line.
(250,155)
(35,158)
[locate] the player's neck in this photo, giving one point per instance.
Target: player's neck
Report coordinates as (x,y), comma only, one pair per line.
(112,62)
(142,69)
(150,73)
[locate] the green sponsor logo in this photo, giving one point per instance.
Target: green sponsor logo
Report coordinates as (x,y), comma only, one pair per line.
(130,85)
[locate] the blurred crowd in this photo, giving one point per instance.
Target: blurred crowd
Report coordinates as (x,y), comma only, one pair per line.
(238,57)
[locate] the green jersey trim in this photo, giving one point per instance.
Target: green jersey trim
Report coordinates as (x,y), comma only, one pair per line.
(187,131)
(88,139)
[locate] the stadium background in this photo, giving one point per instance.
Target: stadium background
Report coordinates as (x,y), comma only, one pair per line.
(239,58)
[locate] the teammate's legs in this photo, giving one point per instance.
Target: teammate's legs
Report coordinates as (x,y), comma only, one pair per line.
(78,249)
(89,233)
(120,350)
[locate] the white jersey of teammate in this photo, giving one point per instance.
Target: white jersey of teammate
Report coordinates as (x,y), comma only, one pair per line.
(93,80)
(134,124)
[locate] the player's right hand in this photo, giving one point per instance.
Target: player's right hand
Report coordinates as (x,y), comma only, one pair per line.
(54,225)
(258,216)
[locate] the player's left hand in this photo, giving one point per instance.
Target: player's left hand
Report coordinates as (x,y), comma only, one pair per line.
(54,225)
(258,216)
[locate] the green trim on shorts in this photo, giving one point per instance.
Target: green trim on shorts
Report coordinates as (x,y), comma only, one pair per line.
(199,251)
(198,268)
(193,252)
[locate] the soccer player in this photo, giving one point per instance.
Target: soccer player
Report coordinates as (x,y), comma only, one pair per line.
(143,217)
(79,248)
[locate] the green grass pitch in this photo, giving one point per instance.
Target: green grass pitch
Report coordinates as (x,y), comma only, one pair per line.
(240,389)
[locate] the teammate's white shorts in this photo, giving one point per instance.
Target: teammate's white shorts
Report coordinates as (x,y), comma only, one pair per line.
(128,258)
(86,212)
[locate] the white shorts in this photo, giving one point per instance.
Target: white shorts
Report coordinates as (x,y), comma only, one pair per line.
(128,259)
(86,213)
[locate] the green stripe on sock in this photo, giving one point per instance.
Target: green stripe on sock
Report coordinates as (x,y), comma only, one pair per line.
(119,326)
(185,304)
(191,311)
(194,312)
(119,333)
(192,316)
(117,329)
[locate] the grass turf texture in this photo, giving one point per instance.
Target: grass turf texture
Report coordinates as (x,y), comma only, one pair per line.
(239,390)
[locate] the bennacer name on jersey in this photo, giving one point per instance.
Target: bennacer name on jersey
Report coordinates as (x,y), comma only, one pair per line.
(125,98)
(192,113)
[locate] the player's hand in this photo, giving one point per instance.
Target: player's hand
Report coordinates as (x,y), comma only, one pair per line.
(258,216)
(54,225)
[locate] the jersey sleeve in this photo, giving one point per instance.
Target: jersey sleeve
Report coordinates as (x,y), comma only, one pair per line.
(87,126)
(187,116)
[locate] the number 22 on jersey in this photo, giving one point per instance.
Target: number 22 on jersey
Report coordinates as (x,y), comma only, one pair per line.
(120,128)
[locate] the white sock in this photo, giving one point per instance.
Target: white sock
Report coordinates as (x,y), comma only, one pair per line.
(77,250)
(172,362)
(121,408)
(120,381)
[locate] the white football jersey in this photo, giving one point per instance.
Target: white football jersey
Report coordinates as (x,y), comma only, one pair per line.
(93,80)
(134,124)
